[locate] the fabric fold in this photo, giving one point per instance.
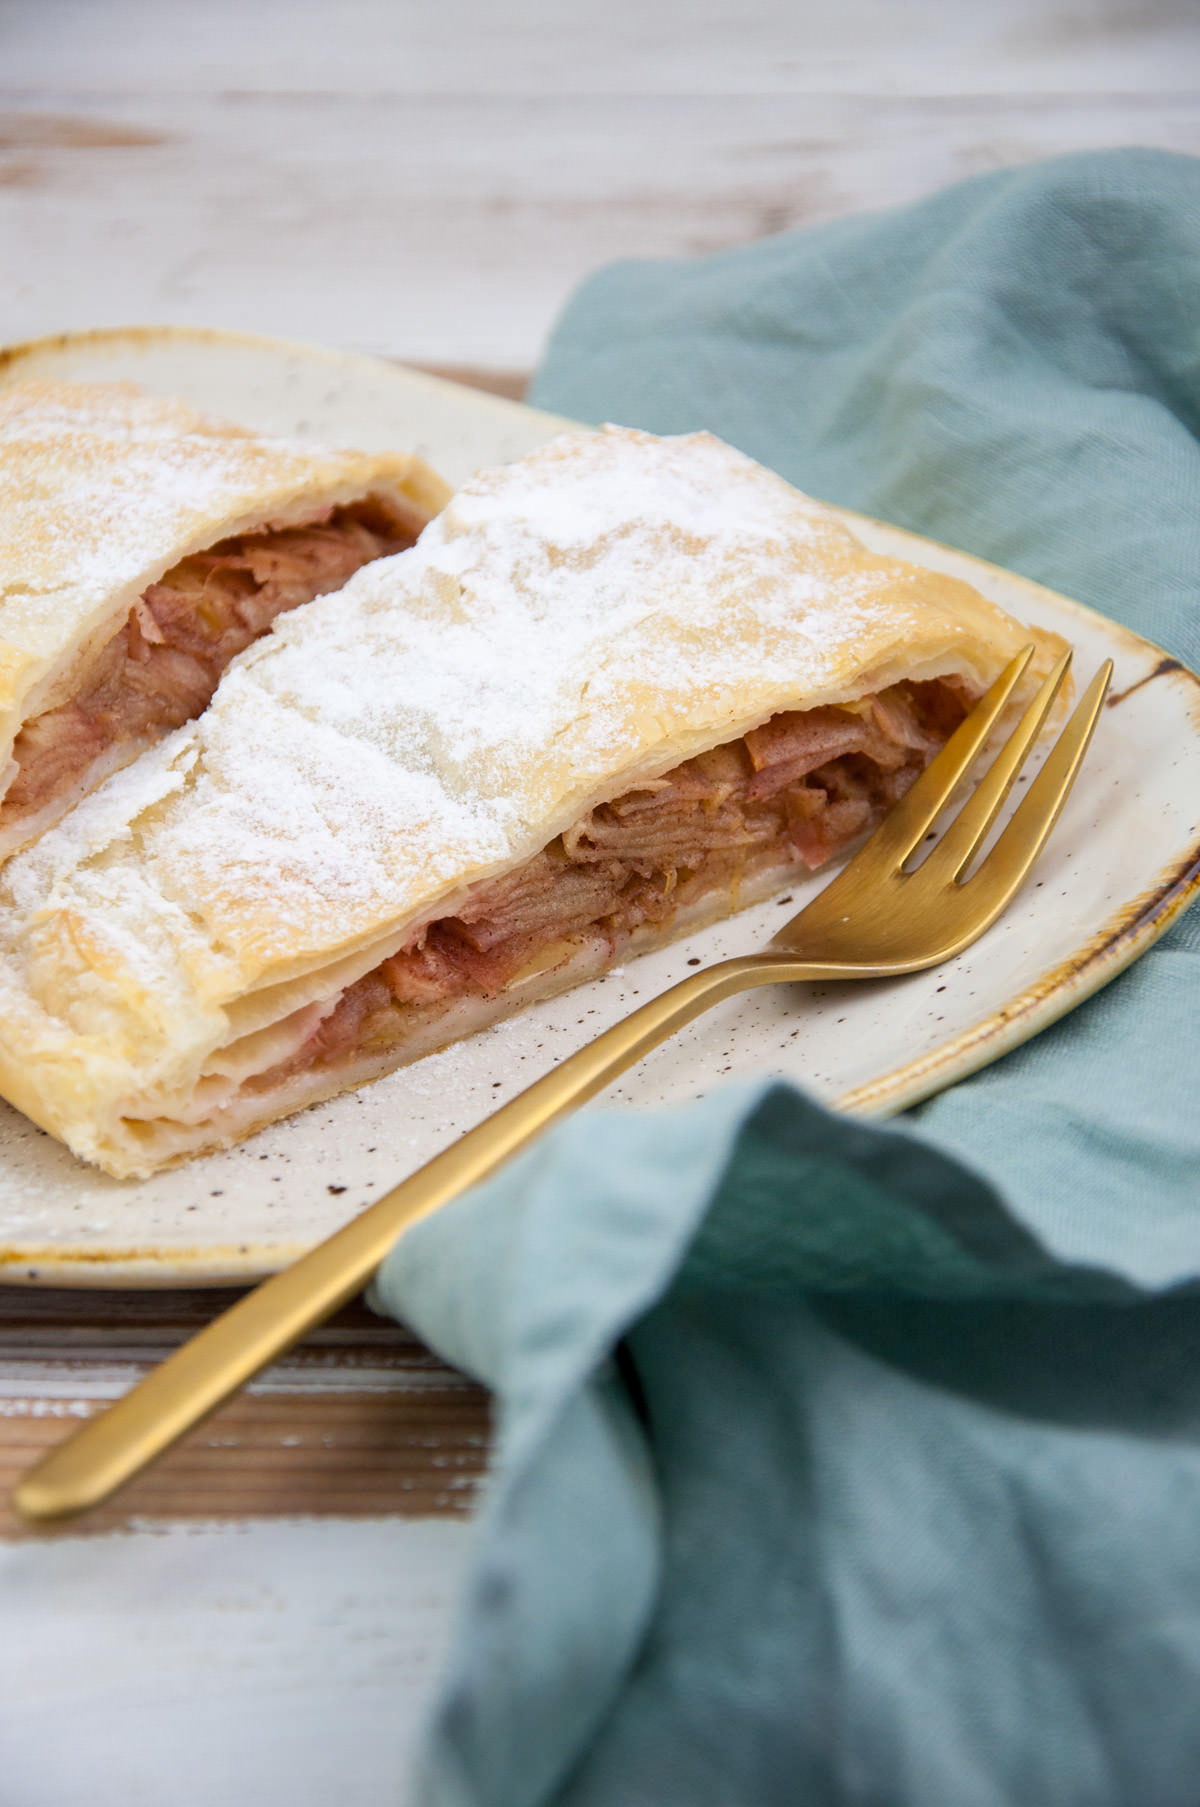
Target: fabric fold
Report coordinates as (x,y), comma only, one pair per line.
(814,1469)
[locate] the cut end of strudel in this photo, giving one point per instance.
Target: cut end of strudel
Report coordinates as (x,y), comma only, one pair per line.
(142,546)
(620,688)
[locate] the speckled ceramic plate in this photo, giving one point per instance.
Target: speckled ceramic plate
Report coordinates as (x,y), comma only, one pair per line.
(1123,862)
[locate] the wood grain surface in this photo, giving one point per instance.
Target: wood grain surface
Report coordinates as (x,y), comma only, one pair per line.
(359,1421)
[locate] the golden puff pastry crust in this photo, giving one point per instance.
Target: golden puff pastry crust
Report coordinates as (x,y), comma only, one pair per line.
(569,628)
(104,488)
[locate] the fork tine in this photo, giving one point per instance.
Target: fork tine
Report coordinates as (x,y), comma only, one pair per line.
(965,834)
(901,830)
(1018,847)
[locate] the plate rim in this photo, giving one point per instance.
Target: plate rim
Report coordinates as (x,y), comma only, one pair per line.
(12,355)
(1131,929)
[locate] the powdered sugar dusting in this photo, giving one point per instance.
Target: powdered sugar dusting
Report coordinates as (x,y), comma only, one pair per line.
(567,595)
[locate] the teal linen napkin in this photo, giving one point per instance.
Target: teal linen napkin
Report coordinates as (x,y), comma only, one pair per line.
(838,1463)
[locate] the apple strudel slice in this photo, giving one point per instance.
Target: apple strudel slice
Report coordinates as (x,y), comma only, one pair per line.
(622,687)
(142,547)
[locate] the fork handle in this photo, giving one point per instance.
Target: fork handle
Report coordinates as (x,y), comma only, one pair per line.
(109,1449)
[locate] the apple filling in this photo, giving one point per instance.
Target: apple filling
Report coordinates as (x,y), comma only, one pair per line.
(163,664)
(718,830)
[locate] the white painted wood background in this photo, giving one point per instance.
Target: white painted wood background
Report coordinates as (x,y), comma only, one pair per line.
(278,1664)
(430,181)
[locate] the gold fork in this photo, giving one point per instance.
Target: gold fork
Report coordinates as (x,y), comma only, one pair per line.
(874,919)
